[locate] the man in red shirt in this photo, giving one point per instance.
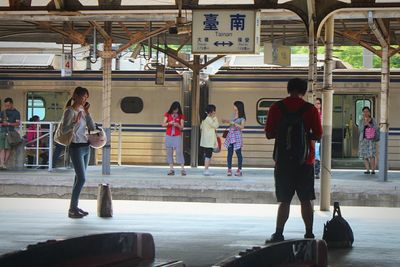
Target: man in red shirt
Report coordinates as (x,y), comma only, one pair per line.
(295,178)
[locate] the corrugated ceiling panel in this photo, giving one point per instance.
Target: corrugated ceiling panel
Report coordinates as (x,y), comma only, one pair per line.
(147,3)
(226,2)
(89,2)
(40,2)
(26,59)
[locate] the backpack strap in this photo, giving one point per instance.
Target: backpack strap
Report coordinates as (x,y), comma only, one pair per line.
(301,110)
(282,107)
(304,108)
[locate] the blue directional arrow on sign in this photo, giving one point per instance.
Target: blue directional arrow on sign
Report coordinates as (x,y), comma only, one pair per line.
(223,43)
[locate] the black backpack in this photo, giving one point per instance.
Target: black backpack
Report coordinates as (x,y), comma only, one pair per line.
(337,231)
(291,144)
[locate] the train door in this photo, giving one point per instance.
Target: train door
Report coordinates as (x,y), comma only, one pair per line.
(48,106)
(347,111)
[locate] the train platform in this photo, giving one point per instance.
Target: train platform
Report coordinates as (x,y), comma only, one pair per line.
(256,186)
(199,234)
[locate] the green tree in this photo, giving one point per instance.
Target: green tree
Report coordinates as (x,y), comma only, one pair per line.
(352,55)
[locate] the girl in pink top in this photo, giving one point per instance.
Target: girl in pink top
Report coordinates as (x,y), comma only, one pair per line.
(174,122)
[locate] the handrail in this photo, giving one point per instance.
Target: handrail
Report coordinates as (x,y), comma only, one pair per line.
(42,141)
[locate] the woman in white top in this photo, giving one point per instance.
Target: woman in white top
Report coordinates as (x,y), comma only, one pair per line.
(208,136)
(77,119)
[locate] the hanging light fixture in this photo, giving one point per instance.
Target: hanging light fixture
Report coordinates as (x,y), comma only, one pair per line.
(135,52)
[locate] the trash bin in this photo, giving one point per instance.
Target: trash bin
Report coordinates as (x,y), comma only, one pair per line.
(104,201)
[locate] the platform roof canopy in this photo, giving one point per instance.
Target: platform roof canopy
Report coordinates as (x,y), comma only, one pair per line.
(127,21)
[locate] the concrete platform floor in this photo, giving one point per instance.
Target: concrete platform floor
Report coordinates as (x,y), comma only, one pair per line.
(350,187)
(200,234)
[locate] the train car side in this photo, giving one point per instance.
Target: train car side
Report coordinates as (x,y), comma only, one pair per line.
(142,134)
(258,89)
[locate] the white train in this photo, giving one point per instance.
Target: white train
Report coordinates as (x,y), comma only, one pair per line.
(138,104)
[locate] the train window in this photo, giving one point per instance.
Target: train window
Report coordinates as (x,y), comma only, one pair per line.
(132,104)
(360,103)
(36,106)
(263,106)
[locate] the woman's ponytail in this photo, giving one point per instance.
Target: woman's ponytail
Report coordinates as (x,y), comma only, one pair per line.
(69,103)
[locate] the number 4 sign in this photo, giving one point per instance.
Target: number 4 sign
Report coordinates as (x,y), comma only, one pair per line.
(66,61)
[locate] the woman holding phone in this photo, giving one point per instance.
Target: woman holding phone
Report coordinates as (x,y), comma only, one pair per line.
(77,119)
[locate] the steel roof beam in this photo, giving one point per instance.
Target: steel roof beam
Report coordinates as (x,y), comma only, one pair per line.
(72,35)
(143,35)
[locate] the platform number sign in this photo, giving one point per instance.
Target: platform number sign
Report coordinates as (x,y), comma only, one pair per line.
(225,31)
(66,69)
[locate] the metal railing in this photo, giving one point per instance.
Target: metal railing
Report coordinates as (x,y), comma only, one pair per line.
(117,127)
(43,143)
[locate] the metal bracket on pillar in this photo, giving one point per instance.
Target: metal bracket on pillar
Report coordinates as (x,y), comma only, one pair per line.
(107,54)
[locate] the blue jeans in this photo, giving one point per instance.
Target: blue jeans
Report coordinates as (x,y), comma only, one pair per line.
(230,155)
(80,159)
(57,153)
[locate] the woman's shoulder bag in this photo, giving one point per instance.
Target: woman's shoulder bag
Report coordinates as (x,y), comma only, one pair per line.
(61,138)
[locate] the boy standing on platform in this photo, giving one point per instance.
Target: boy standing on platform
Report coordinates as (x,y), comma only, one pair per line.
(295,174)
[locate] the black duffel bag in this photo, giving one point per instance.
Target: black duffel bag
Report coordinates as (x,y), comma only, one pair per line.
(337,231)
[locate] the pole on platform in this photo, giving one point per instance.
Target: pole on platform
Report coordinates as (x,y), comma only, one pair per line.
(327,101)
(384,121)
(51,142)
(106,94)
(195,127)
(384,95)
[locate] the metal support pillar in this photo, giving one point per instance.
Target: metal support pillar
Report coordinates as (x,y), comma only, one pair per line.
(107,61)
(327,101)
(312,71)
(312,52)
(384,97)
(194,144)
(384,122)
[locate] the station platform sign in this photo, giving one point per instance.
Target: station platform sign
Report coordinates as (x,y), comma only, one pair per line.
(225,31)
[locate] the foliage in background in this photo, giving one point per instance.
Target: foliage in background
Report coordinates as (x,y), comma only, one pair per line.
(350,54)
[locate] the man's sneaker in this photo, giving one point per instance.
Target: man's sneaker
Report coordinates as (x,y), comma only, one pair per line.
(229,173)
(207,173)
(312,236)
(74,213)
(84,213)
(275,238)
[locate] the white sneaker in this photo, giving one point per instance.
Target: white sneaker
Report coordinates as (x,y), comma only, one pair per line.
(207,173)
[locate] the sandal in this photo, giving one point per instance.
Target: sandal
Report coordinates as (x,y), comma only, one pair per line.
(183,173)
(171,172)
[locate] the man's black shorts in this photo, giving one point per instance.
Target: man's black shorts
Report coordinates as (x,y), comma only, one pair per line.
(291,179)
